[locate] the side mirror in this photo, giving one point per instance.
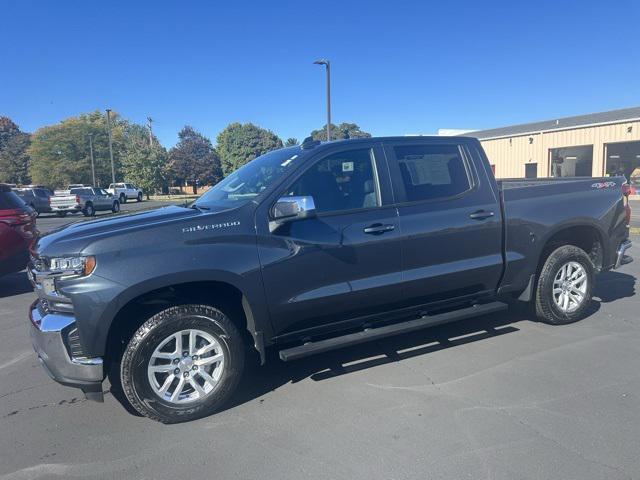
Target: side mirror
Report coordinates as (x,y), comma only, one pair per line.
(288,209)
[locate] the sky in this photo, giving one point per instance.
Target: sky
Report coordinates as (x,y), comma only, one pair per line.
(397,67)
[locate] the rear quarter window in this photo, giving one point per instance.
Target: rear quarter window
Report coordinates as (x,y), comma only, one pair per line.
(431,172)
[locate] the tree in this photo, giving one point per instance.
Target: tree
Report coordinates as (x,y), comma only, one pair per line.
(291,142)
(145,165)
(60,153)
(240,143)
(194,160)
(14,160)
(7,130)
(340,132)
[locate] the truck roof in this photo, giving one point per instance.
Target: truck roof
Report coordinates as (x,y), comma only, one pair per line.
(404,138)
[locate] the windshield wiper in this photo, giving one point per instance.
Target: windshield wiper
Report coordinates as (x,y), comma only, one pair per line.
(195,206)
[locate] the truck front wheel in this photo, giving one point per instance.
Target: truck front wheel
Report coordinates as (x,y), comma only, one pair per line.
(182,364)
(565,286)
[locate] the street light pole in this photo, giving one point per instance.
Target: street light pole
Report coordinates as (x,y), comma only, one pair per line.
(113,170)
(327,65)
(93,168)
(149,120)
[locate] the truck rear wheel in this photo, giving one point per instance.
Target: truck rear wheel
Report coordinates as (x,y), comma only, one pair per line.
(183,363)
(565,286)
(123,198)
(88,210)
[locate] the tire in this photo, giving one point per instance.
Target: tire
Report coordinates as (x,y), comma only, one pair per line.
(123,198)
(139,199)
(141,351)
(116,207)
(89,211)
(35,210)
(557,300)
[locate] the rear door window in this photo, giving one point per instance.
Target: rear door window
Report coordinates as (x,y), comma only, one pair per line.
(431,172)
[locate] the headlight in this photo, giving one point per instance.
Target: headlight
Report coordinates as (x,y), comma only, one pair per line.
(73,265)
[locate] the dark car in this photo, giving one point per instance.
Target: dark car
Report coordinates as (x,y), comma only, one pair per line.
(17,231)
(36,197)
(308,249)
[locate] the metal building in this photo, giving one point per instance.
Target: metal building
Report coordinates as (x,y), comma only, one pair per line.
(597,144)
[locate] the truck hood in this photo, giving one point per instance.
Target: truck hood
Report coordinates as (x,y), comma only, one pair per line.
(72,239)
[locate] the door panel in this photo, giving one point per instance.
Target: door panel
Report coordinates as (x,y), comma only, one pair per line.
(327,269)
(451,242)
(342,263)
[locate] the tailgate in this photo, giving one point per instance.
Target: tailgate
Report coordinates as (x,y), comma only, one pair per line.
(64,201)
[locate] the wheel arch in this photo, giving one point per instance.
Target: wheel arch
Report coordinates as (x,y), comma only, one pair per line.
(585,235)
(138,303)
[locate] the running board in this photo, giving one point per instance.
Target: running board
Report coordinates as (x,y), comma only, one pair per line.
(312,348)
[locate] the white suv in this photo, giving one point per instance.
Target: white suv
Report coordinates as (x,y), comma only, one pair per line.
(125,191)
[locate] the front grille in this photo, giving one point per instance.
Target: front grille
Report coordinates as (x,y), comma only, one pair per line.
(39,264)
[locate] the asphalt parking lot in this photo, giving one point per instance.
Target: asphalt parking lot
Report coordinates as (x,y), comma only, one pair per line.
(497,397)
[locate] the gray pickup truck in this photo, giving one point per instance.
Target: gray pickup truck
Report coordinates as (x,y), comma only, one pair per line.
(307,249)
(37,198)
(87,200)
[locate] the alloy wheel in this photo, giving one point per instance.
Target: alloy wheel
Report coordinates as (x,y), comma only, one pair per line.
(570,287)
(186,366)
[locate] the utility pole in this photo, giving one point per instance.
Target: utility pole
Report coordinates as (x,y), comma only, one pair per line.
(327,64)
(113,170)
(93,168)
(149,120)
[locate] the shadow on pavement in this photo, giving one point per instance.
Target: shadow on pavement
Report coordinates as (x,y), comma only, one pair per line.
(613,285)
(260,380)
(15,284)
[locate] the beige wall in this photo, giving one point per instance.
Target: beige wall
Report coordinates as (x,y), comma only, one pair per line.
(509,155)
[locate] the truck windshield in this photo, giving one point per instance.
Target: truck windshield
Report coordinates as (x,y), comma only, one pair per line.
(250,180)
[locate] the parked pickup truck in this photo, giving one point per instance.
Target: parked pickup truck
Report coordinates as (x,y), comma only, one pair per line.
(87,200)
(37,198)
(125,191)
(307,249)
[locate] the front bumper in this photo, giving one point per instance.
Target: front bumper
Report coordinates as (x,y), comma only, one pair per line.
(48,333)
(621,257)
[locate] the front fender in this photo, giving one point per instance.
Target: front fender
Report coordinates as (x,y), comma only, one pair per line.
(98,301)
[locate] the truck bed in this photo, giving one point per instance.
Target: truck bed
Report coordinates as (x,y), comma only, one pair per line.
(507,183)
(536,208)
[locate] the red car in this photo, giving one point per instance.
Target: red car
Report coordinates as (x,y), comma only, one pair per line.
(17,231)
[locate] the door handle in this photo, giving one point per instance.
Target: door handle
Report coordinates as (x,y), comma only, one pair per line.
(378,228)
(481,215)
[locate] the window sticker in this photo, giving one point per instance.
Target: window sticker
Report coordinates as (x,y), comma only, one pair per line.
(347,166)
